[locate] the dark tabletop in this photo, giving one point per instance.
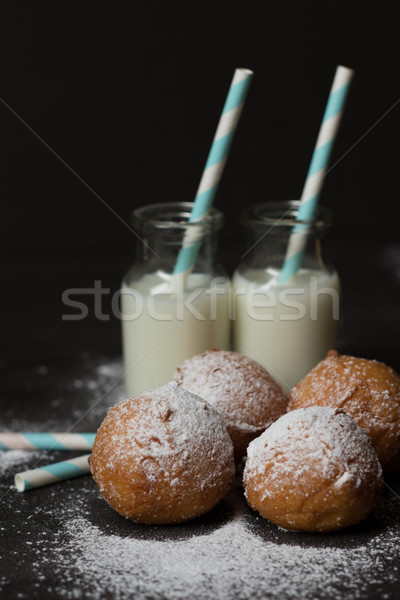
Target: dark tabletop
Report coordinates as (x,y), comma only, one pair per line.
(64,541)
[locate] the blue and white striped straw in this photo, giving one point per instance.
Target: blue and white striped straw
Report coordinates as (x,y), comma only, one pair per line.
(67,469)
(46,441)
(213,169)
(317,170)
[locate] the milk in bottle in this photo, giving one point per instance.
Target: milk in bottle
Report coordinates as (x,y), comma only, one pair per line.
(287,327)
(165,321)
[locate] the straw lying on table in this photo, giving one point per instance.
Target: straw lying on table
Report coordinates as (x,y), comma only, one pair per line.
(68,469)
(46,441)
(213,170)
(316,172)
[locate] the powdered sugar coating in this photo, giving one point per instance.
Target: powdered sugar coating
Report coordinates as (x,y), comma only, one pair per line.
(163,456)
(312,470)
(239,388)
(369,391)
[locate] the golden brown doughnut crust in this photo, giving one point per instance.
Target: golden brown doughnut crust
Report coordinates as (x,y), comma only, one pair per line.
(164,456)
(313,470)
(367,390)
(239,388)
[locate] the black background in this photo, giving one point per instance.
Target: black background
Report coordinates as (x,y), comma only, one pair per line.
(129,95)
(108,106)
(126,98)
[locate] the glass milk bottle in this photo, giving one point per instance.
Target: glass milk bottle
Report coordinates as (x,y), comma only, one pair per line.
(167,318)
(287,327)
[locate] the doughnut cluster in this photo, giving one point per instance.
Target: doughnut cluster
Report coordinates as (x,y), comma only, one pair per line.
(313,464)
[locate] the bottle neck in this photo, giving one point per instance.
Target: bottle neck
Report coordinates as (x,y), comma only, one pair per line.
(163,230)
(158,251)
(270,226)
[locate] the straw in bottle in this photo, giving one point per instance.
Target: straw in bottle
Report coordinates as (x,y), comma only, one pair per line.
(214,168)
(317,170)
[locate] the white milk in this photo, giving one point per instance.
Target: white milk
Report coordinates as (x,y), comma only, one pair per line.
(288,329)
(160,329)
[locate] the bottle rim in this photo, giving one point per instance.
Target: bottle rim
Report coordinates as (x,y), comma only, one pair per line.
(283,213)
(174,215)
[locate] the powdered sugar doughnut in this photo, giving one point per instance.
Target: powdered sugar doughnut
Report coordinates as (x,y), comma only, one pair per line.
(163,456)
(239,388)
(313,470)
(369,391)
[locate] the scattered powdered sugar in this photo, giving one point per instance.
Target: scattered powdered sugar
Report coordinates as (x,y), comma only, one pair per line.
(63,541)
(240,389)
(81,403)
(105,382)
(102,375)
(10,460)
(76,547)
(242,557)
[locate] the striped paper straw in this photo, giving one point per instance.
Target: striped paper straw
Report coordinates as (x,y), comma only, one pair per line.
(46,441)
(317,170)
(29,480)
(214,167)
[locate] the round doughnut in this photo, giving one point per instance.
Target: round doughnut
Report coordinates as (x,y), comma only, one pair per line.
(369,391)
(313,470)
(163,456)
(239,388)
